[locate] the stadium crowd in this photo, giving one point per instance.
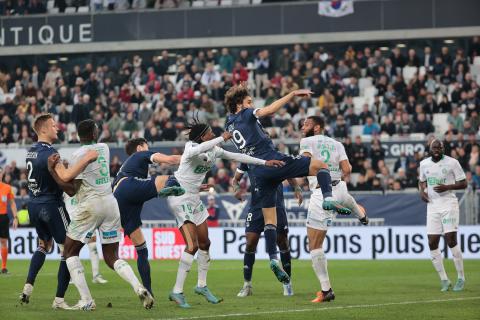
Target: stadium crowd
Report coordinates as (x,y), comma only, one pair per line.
(155,97)
(32,7)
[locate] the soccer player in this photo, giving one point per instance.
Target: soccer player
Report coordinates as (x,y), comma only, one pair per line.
(318,146)
(440,175)
(46,207)
(249,138)
(132,188)
(199,156)
(254,225)
(96,209)
(6,197)
(71,205)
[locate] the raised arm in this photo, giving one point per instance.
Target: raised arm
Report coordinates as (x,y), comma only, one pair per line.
(243,158)
(160,158)
(277,104)
(207,145)
(70,173)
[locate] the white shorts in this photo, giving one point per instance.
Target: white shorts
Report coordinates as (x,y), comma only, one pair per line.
(100,213)
(188,207)
(443,220)
(319,219)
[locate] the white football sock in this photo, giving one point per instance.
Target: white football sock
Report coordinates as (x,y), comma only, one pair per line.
(92,248)
(352,204)
(437,261)
(126,273)
(319,263)
(458,261)
(203,261)
(77,274)
(184,266)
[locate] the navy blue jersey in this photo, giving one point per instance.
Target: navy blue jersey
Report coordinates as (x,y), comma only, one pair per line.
(135,166)
(248,135)
(41,186)
(255,201)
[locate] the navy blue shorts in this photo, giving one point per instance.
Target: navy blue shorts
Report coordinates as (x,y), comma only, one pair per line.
(131,193)
(267,179)
(50,220)
(255,223)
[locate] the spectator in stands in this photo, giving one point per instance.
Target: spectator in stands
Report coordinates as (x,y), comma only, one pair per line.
(226,61)
(262,69)
(73,139)
(455,119)
(401,163)
(370,127)
(210,75)
(365,114)
(476,178)
(359,154)
(376,154)
(213,212)
(422,125)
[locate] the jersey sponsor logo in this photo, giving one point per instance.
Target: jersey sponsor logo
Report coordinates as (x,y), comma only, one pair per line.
(109,234)
(201,169)
(433,181)
(449,220)
(102,180)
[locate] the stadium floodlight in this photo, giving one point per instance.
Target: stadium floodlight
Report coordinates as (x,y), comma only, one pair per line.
(449,41)
(53,61)
(63,59)
(401,45)
(384,48)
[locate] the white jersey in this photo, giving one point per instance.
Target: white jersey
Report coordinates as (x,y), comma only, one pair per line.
(198,159)
(96,176)
(70,204)
(327,150)
(445,171)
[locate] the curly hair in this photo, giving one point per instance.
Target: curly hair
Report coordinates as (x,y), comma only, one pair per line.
(235,96)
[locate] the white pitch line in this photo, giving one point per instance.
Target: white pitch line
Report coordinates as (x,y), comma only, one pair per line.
(358,306)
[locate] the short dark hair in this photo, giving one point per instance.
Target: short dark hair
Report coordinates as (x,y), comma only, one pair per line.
(319,121)
(235,96)
(197,130)
(85,129)
(132,144)
(40,121)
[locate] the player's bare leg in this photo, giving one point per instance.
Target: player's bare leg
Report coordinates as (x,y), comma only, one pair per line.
(36,264)
(437,260)
(95,260)
(143,265)
(451,239)
(189,234)
(319,263)
(248,262)
(270,233)
(123,269)
(168,186)
(203,261)
(285,257)
(320,170)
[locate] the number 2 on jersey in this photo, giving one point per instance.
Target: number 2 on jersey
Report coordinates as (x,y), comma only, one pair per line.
(30,171)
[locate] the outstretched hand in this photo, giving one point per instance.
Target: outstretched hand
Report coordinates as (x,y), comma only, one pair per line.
(274,163)
(302,92)
(52,161)
(226,136)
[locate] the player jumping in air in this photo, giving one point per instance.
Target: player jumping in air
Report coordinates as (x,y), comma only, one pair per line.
(199,156)
(440,175)
(96,209)
(318,146)
(46,207)
(254,226)
(133,187)
(249,138)
(6,197)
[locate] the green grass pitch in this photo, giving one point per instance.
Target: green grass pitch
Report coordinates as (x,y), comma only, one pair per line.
(364,290)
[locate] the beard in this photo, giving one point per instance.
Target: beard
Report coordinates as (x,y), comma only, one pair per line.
(309,133)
